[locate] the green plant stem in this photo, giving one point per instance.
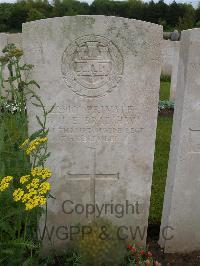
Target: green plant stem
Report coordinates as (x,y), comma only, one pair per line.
(25,226)
(19,225)
(45,221)
(18,88)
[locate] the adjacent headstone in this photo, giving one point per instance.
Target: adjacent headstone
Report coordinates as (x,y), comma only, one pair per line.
(3,41)
(181,212)
(175,36)
(103,74)
(167,56)
(15,38)
(174,75)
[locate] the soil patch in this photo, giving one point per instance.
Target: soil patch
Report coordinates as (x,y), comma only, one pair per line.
(175,259)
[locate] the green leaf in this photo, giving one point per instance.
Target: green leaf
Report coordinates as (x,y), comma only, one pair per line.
(30,261)
(43,158)
(12,79)
(51,108)
(5,227)
(36,134)
(26,67)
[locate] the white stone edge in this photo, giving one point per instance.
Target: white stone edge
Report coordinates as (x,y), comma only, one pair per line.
(103,16)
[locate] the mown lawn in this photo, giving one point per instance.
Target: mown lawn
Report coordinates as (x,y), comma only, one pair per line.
(13,162)
(163,137)
(164,90)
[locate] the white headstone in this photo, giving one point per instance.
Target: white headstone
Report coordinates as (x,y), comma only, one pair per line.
(174,75)
(15,38)
(181,212)
(167,57)
(103,74)
(3,41)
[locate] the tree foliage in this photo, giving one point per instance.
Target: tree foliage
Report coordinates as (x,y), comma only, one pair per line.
(171,16)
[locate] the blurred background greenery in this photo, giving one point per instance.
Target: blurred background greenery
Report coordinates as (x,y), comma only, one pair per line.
(172,16)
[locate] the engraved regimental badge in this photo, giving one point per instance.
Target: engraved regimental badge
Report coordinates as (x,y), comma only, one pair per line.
(92,66)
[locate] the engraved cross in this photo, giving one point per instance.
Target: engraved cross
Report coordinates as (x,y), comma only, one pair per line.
(93,176)
(194,130)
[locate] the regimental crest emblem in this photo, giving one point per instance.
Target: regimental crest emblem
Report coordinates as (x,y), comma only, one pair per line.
(92,66)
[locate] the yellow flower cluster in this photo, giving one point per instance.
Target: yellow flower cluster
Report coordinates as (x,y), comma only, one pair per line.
(33,188)
(5,182)
(34,184)
(44,173)
(31,198)
(24,179)
(15,52)
(34,144)
(34,202)
(44,188)
(17,195)
(34,192)
(33,195)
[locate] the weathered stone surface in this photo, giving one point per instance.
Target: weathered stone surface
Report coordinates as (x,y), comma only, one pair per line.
(6,38)
(168,50)
(3,41)
(15,38)
(103,73)
(174,75)
(181,205)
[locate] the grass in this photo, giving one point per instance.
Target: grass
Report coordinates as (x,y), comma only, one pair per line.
(162,147)
(163,137)
(164,90)
(165,77)
(13,162)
